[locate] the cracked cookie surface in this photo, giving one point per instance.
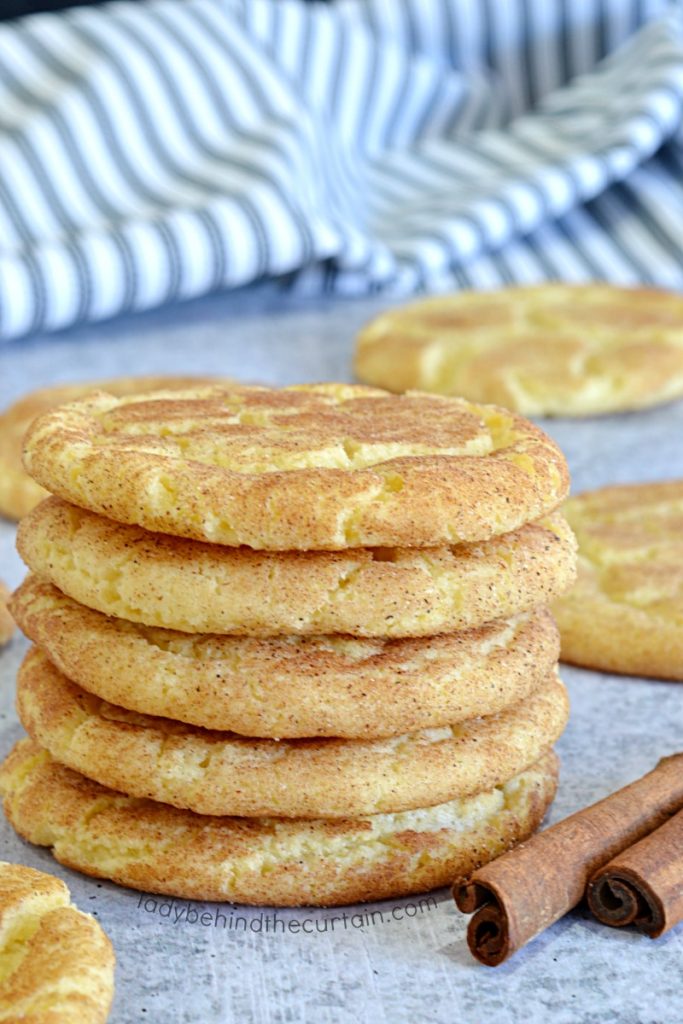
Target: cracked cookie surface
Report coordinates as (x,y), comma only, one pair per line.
(312,467)
(560,350)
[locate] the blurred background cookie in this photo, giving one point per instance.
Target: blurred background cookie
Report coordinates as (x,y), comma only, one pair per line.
(57,963)
(625,612)
(549,350)
(18,492)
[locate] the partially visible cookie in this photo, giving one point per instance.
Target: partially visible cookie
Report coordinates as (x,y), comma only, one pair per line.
(18,492)
(57,963)
(206,588)
(291,686)
(6,620)
(313,467)
(556,349)
(220,773)
(159,849)
(625,612)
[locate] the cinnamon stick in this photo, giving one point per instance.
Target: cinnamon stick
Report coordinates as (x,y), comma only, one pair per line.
(524,891)
(644,884)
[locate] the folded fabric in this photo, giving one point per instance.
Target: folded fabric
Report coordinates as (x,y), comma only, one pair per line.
(157,150)
(18,8)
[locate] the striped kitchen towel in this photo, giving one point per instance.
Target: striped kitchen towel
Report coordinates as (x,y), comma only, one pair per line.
(151,151)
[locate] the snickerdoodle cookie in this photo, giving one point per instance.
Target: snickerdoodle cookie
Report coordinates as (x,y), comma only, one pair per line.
(6,620)
(160,849)
(18,492)
(312,467)
(196,587)
(625,612)
(221,773)
(556,349)
(57,963)
(291,686)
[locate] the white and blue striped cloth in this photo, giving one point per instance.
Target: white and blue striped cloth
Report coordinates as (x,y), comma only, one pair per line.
(151,151)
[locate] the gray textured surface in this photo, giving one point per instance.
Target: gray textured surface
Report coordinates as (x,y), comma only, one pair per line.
(415,968)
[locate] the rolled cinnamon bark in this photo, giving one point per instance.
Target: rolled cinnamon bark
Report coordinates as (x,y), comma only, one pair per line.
(644,884)
(519,894)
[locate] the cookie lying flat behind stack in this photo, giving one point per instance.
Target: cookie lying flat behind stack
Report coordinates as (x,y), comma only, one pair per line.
(400,561)
(553,349)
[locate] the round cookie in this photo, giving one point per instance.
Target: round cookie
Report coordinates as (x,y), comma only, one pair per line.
(193,587)
(160,849)
(6,620)
(556,350)
(625,612)
(314,467)
(221,773)
(291,687)
(57,963)
(18,492)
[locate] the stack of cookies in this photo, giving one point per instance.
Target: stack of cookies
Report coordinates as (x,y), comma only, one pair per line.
(292,646)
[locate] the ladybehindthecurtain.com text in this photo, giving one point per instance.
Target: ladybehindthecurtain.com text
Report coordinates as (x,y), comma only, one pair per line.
(271,923)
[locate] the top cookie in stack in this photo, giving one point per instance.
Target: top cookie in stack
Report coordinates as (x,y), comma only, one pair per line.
(324,467)
(277,528)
